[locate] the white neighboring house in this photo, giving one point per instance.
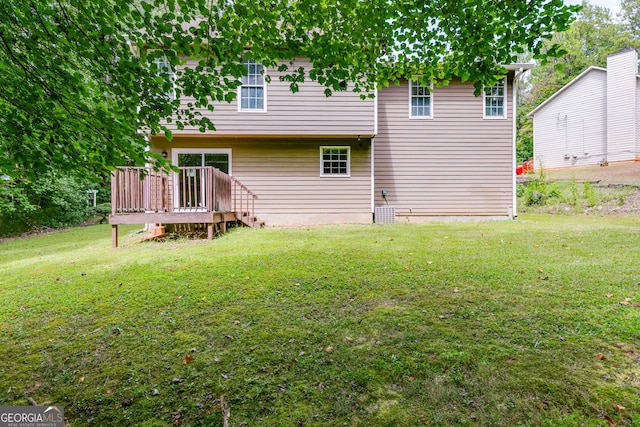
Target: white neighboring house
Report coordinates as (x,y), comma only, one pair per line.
(593,119)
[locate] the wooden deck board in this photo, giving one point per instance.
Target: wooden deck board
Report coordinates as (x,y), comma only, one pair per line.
(173,218)
(141,195)
(209,218)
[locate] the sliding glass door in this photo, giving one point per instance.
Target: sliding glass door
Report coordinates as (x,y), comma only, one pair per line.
(189,191)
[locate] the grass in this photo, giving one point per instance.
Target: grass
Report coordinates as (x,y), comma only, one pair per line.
(513,323)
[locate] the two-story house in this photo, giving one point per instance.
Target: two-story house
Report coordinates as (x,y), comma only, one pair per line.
(428,152)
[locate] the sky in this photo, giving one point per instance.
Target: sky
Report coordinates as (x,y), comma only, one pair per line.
(612,5)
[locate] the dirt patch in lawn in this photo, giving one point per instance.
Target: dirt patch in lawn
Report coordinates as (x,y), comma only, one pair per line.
(627,173)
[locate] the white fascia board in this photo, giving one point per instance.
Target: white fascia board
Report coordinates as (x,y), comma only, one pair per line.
(564,88)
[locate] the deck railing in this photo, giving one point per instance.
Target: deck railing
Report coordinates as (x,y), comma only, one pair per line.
(190,189)
(243,201)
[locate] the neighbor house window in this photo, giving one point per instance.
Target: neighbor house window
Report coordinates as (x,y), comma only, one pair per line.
(495,100)
(334,161)
(420,98)
(253,90)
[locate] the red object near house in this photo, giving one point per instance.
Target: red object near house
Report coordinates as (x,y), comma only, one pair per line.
(525,167)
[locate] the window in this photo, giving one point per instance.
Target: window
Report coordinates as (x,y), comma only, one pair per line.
(219,160)
(253,89)
(420,98)
(189,187)
(495,100)
(164,70)
(334,161)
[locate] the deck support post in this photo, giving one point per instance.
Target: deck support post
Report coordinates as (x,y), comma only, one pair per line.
(114,235)
(223,227)
(210,231)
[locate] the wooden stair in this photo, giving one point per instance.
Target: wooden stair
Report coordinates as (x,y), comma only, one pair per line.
(191,195)
(250,220)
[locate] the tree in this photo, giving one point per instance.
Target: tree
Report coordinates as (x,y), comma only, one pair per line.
(50,201)
(630,11)
(85,81)
(588,41)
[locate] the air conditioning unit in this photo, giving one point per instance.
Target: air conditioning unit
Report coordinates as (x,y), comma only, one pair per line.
(385,215)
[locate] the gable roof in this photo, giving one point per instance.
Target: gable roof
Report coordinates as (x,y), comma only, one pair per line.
(571,83)
(566,87)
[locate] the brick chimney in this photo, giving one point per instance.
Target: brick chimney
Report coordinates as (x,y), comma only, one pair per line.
(622,105)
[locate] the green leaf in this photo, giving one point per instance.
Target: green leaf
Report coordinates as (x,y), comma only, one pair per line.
(98,74)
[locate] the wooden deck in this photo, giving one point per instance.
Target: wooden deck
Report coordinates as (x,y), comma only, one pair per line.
(192,195)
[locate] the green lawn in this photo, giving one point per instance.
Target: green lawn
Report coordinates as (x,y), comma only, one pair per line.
(533,322)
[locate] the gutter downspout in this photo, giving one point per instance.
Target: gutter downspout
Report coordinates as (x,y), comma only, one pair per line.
(373,163)
(147,227)
(605,145)
(514,89)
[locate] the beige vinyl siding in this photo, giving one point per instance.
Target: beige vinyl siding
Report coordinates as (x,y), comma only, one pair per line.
(571,129)
(622,69)
(455,164)
(285,173)
(637,118)
(307,112)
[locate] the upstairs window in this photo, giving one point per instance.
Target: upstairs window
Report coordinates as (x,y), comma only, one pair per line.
(420,100)
(253,90)
(495,101)
(165,71)
(334,161)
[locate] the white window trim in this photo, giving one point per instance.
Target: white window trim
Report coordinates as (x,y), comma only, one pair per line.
(430,116)
(264,89)
(333,175)
(171,73)
(504,109)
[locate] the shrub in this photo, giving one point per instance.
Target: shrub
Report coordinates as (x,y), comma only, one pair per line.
(535,198)
(589,193)
(574,194)
(100,211)
(537,190)
(47,202)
